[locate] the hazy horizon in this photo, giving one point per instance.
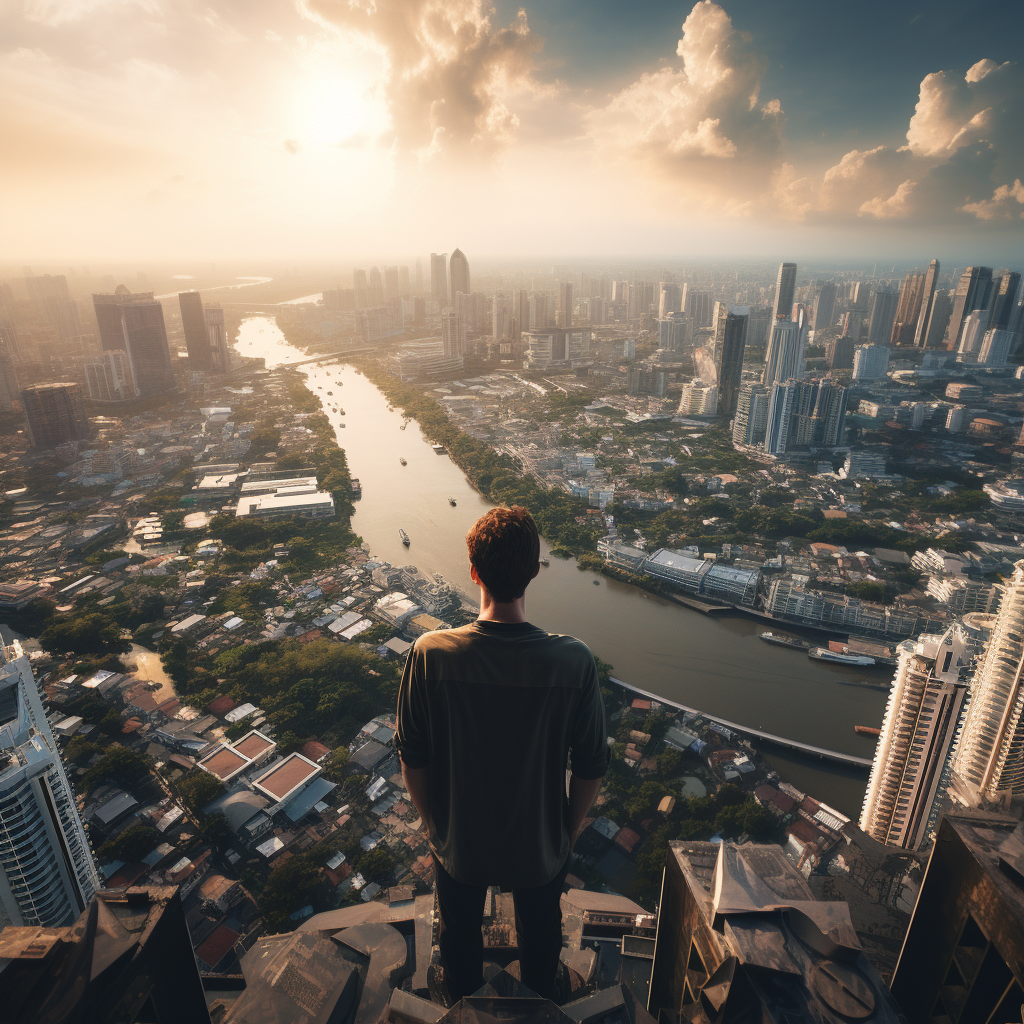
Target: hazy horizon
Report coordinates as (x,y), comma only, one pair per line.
(277,132)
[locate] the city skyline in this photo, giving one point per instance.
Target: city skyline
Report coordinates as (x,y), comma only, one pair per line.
(276,126)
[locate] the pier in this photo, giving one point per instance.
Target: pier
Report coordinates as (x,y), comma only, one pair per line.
(850,760)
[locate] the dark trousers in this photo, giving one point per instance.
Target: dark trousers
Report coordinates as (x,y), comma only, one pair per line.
(538,927)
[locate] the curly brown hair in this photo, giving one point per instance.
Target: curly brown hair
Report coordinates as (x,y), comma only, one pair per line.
(504,548)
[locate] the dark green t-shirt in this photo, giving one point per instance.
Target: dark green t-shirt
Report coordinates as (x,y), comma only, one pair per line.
(498,712)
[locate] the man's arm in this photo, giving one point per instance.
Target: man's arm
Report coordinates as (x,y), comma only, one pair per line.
(582,793)
(417,781)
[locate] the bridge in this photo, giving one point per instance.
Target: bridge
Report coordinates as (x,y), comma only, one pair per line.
(837,756)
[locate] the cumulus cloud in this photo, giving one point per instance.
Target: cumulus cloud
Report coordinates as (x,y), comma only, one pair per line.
(702,123)
(1007,203)
(449,73)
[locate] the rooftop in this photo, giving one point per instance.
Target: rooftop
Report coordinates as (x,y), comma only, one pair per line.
(287,776)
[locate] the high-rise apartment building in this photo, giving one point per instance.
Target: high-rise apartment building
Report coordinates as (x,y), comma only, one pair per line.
(785,357)
(520,313)
(699,398)
(458,270)
(903,797)
(8,332)
(729,342)
(825,307)
(55,414)
(839,353)
(108,377)
(805,414)
(751,420)
(870,362)
(419,276)
(439,278)
(538,312)
(972,334)
(47,874)
(453,333)
(501,318)
(565,304)
(698,305)
(404,287)
(9,388)
(675,332)
(883,313)
(193,323)
(995,348)
(217,341)
(988,764)
(135,324)
(392,288)
(927,296)
(908,311)
(973,291)
(785,287)
(938,319)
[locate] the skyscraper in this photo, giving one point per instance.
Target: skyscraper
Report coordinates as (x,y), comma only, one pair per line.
(912,754)
(193,323)
(538,311)
(217,342)
(520,312)
(501,318)
(1004,301)
(360,288)
(8,332)
(972,292)
(419,276)
(55,414)
(972,334)
(751,420)
(565,304)
(375,289)
(54,304)
(392,289)
(883,313)
(698,305)
(908,310)
(825,307)
(9,387)
(404,288)
(805,414)
(458,269)
(453,333)
(938,319)
(730,341)
(988,764)
(669,299)
(995,348)
(108,377)
(785,357)
(439,278)
(135,324)
(785,287)
(675,332)
(47,874)
(927,296)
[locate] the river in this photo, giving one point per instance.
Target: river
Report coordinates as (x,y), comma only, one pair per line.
(719,665)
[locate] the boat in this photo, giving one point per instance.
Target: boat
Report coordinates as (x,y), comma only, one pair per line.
(404,536)
(864,683)
(330,393)
(824,654)
(867,730)
(439,449)
(451,501)
(402,461)
(545,561)
(597,583)
(785,641)
(357,488)
(403,426)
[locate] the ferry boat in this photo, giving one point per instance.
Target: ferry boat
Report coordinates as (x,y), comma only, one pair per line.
(329,393)
(867,730)
(785,641)
(439,449)
(824,654)
(402,461)
(451,501)
(597,583)
(404,536)
(864,683)
(357,488)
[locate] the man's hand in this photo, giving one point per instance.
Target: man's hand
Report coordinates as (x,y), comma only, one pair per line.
(417,782)
(582,793)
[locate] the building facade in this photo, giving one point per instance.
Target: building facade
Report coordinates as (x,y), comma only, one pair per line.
(785,356)
(751,420)
(458,271)
(55,414)
(47,873)
(911,761)
(193,324)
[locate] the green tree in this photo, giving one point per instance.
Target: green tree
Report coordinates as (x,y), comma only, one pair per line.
(123,767)
(670,763)
(198,788)
(132,844)
(377,865)
(289,887)
(93,633)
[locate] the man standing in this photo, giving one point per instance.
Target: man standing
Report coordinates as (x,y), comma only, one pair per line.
(490,718)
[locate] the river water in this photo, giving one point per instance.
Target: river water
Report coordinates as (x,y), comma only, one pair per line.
(716,664)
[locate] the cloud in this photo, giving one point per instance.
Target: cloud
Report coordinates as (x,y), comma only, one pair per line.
(702,124)
(449,74)
(1001,205)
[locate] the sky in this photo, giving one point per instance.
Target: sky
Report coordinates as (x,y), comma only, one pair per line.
(380,129)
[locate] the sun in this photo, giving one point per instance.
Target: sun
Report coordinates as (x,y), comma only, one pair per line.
(333,106)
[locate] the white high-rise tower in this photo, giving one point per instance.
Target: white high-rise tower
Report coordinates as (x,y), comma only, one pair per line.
(989,762)
(912,755)
(47,873)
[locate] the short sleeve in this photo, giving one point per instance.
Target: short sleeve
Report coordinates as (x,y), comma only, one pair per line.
(413,732)
(589,744)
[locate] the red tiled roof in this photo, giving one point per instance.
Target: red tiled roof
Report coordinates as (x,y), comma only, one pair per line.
(217,946)
(221,705)
(641,705)
(784,802)
(314,751)
(627,839)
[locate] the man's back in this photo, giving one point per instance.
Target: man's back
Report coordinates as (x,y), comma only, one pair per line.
(495,708)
